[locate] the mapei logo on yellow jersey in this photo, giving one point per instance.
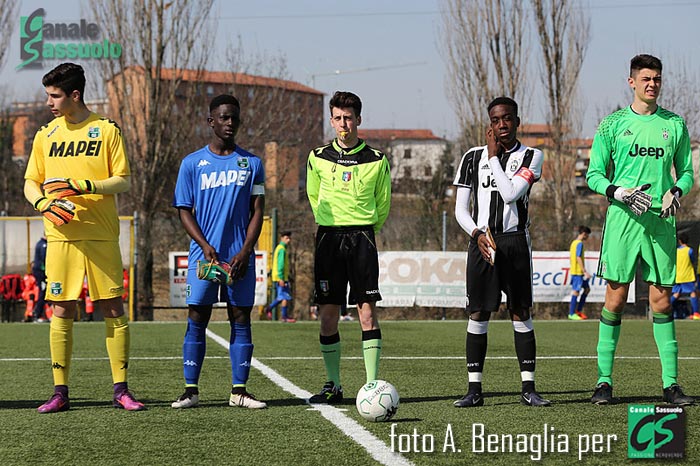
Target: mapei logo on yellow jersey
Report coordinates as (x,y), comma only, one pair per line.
(223,178)
(75,149)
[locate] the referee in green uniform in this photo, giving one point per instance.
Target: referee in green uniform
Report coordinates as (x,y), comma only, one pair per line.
(349,188)
(634,152)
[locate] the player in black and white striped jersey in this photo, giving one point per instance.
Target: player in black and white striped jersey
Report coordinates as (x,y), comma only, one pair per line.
(493,186)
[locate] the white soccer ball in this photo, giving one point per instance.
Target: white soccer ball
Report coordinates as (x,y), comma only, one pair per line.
(377,401)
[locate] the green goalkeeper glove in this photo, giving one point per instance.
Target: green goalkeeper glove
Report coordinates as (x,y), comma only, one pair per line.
(636,199)
(214,271)
(670,203)
(64,187)
(58,211)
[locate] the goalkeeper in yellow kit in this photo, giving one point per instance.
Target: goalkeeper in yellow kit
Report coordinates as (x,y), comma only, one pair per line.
(77,166)
(635,152)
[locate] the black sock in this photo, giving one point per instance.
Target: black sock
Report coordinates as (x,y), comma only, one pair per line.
(191,391)
(476,351)
(528,386)
(474,387)
(526,350)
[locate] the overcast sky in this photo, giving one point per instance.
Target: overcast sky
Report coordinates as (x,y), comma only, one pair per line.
(388,52)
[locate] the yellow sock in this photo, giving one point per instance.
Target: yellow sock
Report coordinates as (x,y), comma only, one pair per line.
(61,343)
(118,346)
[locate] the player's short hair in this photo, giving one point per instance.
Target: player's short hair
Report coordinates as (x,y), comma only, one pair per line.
(286,233)
(584,229)
(503,101)
(68,77)
(683,238)
(223,99)
(642,61)
(343,99)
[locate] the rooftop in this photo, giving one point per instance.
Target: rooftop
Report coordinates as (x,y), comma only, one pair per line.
(394,134)
(228,77)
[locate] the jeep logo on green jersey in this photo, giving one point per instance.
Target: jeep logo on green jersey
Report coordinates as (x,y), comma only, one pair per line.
(657,152)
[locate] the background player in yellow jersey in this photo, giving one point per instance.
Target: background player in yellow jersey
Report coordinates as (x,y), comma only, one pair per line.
(685,279)
(579,275)
(280,276)
(76,167)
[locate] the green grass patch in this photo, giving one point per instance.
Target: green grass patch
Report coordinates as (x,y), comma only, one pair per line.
(424,360)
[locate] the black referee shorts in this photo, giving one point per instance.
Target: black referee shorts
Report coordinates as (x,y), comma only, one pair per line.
(512,274)
(346,255)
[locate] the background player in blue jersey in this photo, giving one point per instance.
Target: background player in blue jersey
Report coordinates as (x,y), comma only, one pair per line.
(686,263)
(220,199)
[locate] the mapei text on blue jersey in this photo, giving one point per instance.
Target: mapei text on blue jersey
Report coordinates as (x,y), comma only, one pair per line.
(223,178)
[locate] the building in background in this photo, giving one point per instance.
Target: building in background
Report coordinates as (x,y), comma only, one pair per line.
(414,154)
(281,119)
(539,136)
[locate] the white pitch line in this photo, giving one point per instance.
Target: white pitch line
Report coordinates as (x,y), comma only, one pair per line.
(431,358)
(375,447)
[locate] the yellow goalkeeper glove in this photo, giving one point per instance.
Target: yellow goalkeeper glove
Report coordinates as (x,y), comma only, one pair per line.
(64,187)
(58,211)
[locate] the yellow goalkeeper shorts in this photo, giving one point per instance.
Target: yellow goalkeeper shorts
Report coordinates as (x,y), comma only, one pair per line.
(69,262)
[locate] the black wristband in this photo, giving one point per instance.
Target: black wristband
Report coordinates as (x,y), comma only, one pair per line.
(478,233)
(610,191)
(677,190)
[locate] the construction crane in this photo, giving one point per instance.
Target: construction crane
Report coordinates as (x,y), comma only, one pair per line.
(363,70)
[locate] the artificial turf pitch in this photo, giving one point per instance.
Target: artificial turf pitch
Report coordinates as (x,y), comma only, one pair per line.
(423,359)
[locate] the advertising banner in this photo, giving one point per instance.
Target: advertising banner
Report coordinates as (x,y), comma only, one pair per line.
(438,279)
(178,278)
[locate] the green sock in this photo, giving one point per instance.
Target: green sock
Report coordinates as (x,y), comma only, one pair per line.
(371,351)
(608,336)
(665,337)
(331,358)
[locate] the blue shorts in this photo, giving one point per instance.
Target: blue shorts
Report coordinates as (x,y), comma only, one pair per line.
(685,288)
(283,292)
(241,293)
(578,283)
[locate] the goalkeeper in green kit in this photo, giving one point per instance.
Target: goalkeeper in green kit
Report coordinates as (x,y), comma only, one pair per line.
(634,153)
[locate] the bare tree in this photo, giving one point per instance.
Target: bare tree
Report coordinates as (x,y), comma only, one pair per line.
(8,12)
(563,32)
(276,110)
(155,96)
(681,92)
(281,122)
(18,124)
(484,49)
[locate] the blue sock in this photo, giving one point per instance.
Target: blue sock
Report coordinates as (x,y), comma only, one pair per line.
(275,303)
(572,305)
(581,302)
(694,304)
(193,350)
(284,312)
(673,298)
(241,353)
